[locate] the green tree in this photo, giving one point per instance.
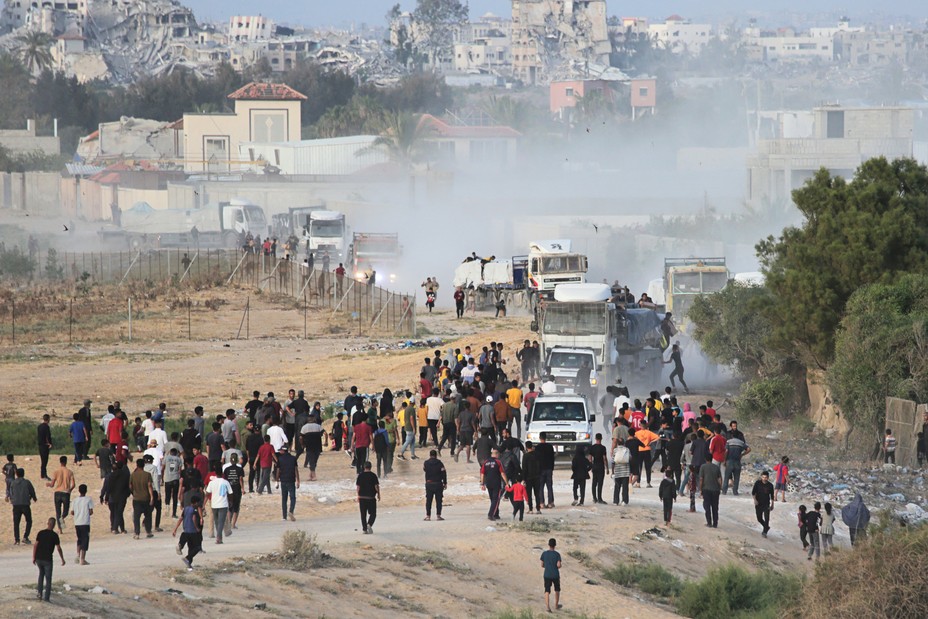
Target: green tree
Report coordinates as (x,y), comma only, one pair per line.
(434,23)
(865,231)
(881,349)
(35,50)
(323,89)
(421,93)
(15,95)
(363,114)
(511,112)
(404,140)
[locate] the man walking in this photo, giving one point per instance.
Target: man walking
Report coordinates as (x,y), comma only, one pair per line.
(361,438)
(436,482)
(368,488)
(288,475)
(45,445)
(493,480)
(531,471)
(736,448)
(42,554)
(710,486)
(21,493)
(763,501)
(600,461)
(551,562)
(118,492)
(143,498)
(409,427)
(450,411)
(217,492)
(62,483)
(546,464)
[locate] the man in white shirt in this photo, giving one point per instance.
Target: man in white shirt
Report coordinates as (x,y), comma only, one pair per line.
(434,404)
(218,491)
(467,374)
(548,386)
(107,418)
(154,469)
(278,436)
(158,435)
(82,510)
(147,425)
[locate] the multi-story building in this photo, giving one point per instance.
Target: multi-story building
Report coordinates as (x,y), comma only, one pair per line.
(785,45)
(250,28)
(680,36)
(549,33)
(838,139)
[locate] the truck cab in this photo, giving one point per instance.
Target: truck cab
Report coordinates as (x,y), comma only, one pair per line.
(564,420)
(551,263)
(565,364)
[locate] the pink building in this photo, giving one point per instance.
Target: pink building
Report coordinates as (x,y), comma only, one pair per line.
(565,95)
(644,96)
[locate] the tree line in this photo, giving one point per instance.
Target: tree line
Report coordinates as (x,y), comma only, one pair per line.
(846,294)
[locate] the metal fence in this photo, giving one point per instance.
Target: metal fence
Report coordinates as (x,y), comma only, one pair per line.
(358,306)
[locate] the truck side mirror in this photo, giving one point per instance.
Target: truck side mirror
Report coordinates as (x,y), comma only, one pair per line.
(592,418)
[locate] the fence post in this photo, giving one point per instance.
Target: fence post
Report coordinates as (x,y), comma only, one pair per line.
(13,301)
(188,319)
(130,319)
(70,320)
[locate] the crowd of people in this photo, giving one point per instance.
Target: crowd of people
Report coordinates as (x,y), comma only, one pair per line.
(466,401)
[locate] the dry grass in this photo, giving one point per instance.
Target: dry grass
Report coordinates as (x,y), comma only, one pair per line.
(887,576)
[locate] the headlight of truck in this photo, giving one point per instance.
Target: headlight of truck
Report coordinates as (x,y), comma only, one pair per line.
(593,382)
(583,436)
(531,436)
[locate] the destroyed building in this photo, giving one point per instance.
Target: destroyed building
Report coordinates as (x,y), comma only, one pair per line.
(548,35)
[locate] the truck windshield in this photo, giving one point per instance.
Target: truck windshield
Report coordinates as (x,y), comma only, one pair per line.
(575,319)
(558,411)
(255,216)
(562,264)
(376,247)
(327,228)
(570,360)
(713,282)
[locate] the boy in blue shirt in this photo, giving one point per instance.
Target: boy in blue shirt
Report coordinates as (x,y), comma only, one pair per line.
(78,436)
(551,562)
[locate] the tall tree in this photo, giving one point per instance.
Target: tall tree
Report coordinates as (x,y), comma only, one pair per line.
(434,22)
(865,231)
(15,93)
(35,50)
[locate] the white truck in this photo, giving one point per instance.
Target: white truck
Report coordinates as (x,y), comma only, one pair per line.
(225,224)
(565,421)
(551,263)
(316,228)
(375,251)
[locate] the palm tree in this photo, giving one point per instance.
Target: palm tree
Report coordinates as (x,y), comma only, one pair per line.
(34,50)
(404,140)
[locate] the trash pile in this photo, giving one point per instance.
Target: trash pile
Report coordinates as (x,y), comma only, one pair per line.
(403,345)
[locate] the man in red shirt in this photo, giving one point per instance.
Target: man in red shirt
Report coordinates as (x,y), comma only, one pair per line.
(718,448)
(266,462)
(425,386)
(114,432)
(200,462)
(360,442)
(529,399)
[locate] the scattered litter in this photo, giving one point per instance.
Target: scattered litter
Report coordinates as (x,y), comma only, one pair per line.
(98,589)
(260,606)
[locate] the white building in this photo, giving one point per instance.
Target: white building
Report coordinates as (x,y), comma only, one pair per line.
(250,28)
(680,36)
(328,157)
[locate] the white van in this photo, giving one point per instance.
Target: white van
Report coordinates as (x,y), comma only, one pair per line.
(565,421)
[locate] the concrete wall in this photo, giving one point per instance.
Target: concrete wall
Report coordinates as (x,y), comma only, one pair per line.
(32,192)
(26,142)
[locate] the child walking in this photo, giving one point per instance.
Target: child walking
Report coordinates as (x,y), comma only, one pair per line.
(667,492)
(782,480)
(338,432)
(518,498)
(813,521)
(827,530)
(551,562)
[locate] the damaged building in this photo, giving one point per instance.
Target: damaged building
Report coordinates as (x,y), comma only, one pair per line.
(549,34)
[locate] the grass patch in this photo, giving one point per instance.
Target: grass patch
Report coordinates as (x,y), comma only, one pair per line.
(20,438)
(525,613)
(541,525)
(299,551)
(427,559)
(649,578)
(736,593)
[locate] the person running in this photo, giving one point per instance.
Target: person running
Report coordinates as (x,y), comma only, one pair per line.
(551,563)
(217,492)
(192,535)
(493,481)
(677,360)
(368,488)
(763,494)
(21,493)
(517,488)
(436,482)
(82,510)
(288,476)
(42,557)
(667,493)
(62,483)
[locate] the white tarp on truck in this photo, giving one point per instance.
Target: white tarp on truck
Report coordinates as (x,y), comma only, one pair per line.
(497,273)
(144,219)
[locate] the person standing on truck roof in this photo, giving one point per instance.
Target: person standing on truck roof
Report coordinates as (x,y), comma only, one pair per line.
(677,360)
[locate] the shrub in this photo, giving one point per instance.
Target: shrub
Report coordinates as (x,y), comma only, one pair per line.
(299,551)
(734,592)
(650,578)
(762,396)
(887,576)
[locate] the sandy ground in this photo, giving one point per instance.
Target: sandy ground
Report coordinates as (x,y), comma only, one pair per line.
(465,566)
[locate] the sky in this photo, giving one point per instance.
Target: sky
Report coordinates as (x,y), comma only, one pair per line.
(345,12)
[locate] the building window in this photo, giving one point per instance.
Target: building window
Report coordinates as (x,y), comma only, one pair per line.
(643,91)
(569,92)
(835,125)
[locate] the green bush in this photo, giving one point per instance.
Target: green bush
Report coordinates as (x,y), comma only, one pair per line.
(650,578)
(733,592)
(21,438)
(763,396)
